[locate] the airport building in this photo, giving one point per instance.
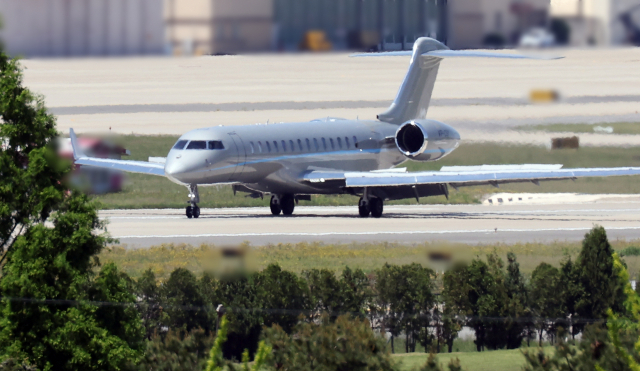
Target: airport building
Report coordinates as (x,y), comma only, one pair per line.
(187,27)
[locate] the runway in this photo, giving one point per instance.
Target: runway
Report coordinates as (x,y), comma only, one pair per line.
(473,224)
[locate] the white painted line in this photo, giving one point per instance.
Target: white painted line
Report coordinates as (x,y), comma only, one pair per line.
(371,233)
(489,212)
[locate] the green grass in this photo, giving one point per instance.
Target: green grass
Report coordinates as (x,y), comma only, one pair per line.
(497,360)
(165,258)
(145,191)
(618,128)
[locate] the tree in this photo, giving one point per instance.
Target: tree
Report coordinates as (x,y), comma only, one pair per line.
(283,296)
(177,350)
(405,300)
(486,302)
(149,303)
(455,296)
(516,309)
(31,175)
(346,344)
(546,300)
(324,288)
(186,305)
(48,314)
(599,287)
(354,291)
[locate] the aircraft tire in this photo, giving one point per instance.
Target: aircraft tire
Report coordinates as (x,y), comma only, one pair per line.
(189,212)
(376,205)
(288,203)
(196,212)
(363,209)
(276,208)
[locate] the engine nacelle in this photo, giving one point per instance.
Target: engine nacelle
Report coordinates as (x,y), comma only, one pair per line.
(426,140)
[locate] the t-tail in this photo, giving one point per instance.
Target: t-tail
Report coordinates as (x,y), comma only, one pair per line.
(414,95)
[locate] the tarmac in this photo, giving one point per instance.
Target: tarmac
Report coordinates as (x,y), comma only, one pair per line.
(485,99)
(470,224)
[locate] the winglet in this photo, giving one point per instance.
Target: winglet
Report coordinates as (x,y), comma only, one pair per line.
(77,152)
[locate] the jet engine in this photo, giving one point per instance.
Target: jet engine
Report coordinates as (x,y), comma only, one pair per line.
(426,140)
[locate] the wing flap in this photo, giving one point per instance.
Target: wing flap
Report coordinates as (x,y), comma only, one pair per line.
(468,178)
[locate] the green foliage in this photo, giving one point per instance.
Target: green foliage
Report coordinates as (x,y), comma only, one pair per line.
(48,315)
(186,305)
(348,343)
(630,251)
(405,301)
(598,286)
(432,364)
(176,350)
(216,361)
(30,172)
(283,291)
(546,300)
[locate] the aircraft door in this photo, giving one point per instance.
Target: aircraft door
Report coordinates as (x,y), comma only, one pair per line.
(241,157)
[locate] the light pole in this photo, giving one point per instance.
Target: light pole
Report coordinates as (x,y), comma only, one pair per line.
(220,312)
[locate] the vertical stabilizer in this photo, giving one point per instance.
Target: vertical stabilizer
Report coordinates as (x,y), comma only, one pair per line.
(414,95)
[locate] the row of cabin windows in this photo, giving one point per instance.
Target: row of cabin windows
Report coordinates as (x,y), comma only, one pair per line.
(307,145)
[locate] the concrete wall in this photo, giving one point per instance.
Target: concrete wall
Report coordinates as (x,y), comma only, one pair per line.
(219,26)
(82,27)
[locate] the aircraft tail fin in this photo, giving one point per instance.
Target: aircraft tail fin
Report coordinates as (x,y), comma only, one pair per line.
(414,95)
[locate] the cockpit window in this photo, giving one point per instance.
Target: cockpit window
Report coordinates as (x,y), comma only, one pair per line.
(197,144)
(180,144)
(216,144)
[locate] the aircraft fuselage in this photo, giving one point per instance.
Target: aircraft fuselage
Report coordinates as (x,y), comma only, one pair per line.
(270,158)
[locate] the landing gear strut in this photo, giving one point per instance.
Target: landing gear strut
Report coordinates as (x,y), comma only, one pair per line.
(193,211)
(282,203)
(370,205)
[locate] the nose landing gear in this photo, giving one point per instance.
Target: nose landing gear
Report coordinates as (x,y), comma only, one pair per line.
(193,211)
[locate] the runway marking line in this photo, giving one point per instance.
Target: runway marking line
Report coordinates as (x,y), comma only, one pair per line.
(371,233)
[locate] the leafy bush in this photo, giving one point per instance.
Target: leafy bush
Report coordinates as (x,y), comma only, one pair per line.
(346,344)
(630,251)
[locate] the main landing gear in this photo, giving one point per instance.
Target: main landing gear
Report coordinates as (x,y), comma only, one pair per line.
(282,203)
(370,205)
(193,211)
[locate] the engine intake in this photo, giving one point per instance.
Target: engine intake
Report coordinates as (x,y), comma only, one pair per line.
(411,139)
(426,140)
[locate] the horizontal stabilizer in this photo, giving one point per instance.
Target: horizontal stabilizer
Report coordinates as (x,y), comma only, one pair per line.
(457,54)
(484,54)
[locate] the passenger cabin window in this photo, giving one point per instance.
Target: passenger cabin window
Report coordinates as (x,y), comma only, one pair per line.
(339,143)
(324,144)
(275,145)
(300,144)
(315,141)
(293,148)
(216,144)
(252,147)
(284,146)
(333,146)
(180,144)
(260,147)
(308,144)
(197,144)
(355,141)
(346,142)
(268,147)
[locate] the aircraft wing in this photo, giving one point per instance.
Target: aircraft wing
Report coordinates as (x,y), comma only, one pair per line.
(466,176)
(142,167)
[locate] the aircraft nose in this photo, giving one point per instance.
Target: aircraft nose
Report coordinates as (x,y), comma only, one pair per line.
(173,168)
